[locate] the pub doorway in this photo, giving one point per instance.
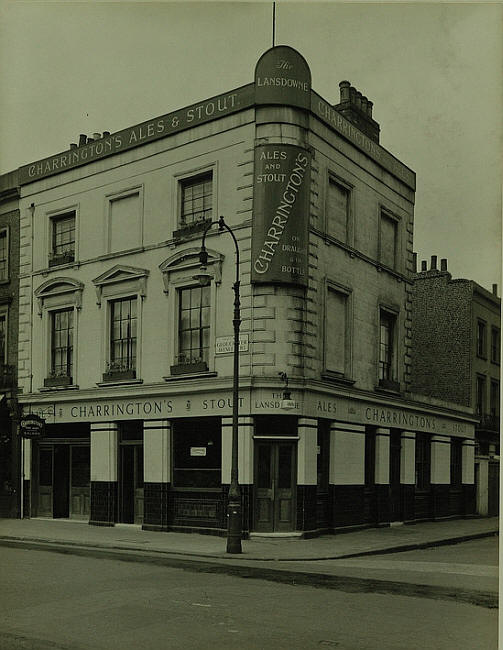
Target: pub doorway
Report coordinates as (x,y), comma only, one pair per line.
(61,465)
(275,474)
(131,472)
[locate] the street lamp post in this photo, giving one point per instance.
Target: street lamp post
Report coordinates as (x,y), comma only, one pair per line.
(234,519)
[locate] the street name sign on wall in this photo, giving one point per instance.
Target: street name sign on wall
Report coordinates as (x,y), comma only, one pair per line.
(280,228)
(225,344)
(32,426)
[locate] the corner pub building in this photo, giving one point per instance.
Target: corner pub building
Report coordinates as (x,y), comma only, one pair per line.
(129,361)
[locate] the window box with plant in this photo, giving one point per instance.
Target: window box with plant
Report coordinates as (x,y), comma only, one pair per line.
(187,364)
(56,379)
(117,371)
(56,259)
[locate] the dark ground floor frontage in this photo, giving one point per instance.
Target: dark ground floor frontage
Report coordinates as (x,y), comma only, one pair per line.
(298,475)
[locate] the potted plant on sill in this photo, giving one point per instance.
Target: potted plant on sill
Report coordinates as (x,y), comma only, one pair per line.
(118,370)
(61,258)
(187,364)
(57,378)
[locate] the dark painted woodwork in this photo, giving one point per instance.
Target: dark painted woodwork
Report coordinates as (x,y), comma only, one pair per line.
(103,503)
(440,500)
(408,502)
(156,506)
(383,504)
(347,505)
(26,498)
(456,506)
(469,499)
(196,509)
(370,505)
(422,505)
(306,507)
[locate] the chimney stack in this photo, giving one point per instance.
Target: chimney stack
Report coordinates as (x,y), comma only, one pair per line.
(443,264)
(106,134)
(433,263)
(423,266)
(495,289)
(357,108)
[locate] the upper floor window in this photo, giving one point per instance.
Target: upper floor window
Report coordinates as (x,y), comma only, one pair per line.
(123,336)
(338,204)
(481,339)
(193,329)
(4,254)
(387,349)
(423,461)
(388,227)
(480,396)
(3,339)
(337,332)
(125,220)
(62,239)
(495,345)
(196,199)
(62,343)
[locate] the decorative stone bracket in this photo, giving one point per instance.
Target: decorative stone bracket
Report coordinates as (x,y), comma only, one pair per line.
(59,287)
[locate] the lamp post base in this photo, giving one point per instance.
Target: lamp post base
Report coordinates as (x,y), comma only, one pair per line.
(234,527)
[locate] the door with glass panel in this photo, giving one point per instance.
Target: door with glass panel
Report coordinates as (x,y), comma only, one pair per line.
(275,486)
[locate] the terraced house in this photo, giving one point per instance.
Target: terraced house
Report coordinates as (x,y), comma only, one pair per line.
(128,359)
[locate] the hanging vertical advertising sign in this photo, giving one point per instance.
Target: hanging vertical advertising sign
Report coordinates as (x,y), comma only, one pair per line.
(280,214)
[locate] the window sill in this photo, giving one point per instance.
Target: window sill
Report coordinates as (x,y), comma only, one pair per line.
(58,382)
(388,386)
(189,368)
(191,229)
(49,389)
(118,382)
(336,378)
(194,375)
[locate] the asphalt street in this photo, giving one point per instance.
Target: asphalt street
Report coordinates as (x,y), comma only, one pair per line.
(65,602)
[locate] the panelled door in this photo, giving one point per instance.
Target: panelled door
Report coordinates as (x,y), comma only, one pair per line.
(45,471)
(275,486)
(80,485)
(131,484)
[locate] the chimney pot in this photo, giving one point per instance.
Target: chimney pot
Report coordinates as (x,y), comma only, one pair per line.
(106,134)
(344,90)
(73,145)
(443,264)
(358,99)
(352,95)
(365,104)
(90,139)
(495,289)
(369,108)
(96,136)
(423,265)
(82,139)
(414,262)
(433,262)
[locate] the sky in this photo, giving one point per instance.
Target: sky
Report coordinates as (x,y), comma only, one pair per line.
(433,71)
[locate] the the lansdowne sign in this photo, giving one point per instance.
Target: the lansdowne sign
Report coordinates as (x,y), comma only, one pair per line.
(280,214)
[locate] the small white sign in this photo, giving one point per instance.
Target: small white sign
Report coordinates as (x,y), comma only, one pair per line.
(198,451)
(225,344)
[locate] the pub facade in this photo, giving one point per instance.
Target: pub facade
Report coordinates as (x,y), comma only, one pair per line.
(128,359)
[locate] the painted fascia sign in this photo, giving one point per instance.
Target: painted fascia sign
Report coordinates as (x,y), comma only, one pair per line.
(32,426)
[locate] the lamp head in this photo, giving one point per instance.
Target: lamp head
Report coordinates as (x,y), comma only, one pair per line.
(203,277)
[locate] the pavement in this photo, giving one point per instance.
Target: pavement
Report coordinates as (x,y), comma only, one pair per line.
(353,561)
(125,537)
